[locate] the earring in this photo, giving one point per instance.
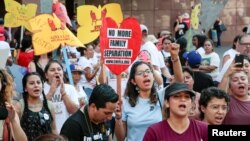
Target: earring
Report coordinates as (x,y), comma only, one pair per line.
(137,89)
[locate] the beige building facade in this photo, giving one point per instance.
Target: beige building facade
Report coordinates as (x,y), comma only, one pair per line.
(161,14)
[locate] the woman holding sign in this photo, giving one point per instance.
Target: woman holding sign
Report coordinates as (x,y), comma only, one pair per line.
(141,105)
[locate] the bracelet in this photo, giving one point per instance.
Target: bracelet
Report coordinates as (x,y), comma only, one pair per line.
(118,118)
(174,60)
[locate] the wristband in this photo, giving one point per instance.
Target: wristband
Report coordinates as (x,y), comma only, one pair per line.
(174,60)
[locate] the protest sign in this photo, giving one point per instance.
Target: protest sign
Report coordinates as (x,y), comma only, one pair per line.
(90,18)
(120,46)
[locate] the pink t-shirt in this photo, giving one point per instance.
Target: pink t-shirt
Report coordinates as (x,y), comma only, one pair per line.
(161,131)
(239,112)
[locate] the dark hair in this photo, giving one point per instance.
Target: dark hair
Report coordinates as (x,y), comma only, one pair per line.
(26,42)
(102,94)
(183,48)
(244,29)
(131,91)
(201,40)
(182,42)
(171,39)
(57,62)
(188,70)
(82,49)
(50,63)
(3,81)
(96,41)
(25,96)
(170,65)
(208,94)
(51,137)
(236,39)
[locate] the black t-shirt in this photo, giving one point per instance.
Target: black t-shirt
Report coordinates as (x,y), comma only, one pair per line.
(76,128)
(182,28)
(202,81)
(35,124)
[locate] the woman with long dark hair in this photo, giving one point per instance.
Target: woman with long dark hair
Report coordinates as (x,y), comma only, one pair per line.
(36,113)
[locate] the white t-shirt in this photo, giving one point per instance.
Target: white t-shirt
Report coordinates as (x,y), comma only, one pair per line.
(201,50)
(81,94)
(84,63)
(112,81)
(165,54)
(231,52)
(224,69)
(60,109)
(73,50)
(212,59)
(151,48)
(5,45)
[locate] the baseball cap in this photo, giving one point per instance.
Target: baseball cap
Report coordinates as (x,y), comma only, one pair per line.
(193,58)
(152,39)
(144,28)
(177,87)
(165,33)
(185,15)
(76,68)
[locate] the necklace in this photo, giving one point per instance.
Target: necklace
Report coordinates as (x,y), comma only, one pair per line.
(88,122)
(38,105)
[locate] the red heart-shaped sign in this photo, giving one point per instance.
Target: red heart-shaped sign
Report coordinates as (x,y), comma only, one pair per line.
(120,46)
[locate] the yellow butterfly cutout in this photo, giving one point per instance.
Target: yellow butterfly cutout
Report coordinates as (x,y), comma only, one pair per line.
(50,33)
(18,15)
(195,16)
(90,20)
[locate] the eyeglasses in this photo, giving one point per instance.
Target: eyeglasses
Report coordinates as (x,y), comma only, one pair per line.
(217,107)
(245,44)
(147,71)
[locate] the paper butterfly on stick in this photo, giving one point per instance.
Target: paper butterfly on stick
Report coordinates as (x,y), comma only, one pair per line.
(195,16)
(50,33)
(17,14)
(90,20)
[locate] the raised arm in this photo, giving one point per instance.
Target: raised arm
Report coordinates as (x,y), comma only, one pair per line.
(120,126)
(174,51)
(16,129)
